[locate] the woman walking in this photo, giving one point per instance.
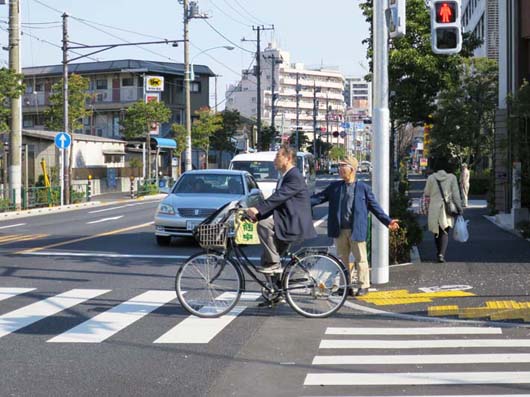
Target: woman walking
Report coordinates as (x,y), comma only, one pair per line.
(442,190)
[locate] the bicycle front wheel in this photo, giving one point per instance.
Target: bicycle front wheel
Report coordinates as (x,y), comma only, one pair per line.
(315,285)
(208,285)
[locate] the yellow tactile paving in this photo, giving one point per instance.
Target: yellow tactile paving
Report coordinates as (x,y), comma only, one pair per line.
(404,297)
(494,310)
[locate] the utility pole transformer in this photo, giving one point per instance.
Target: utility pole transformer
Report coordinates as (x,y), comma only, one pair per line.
(15,137)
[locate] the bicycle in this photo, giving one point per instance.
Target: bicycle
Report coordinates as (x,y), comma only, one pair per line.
(210,283)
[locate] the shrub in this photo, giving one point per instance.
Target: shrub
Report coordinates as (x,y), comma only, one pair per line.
(524,228)
(479,185)
(409,233)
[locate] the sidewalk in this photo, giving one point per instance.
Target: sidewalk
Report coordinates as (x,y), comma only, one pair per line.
(99,200)
(487,278)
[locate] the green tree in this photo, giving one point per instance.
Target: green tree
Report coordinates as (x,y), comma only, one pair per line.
(77,97)
(221,140)
(337,152)
(138,121)
(11,86)
(207,124)
(464,121)
(416,74)
(268,134)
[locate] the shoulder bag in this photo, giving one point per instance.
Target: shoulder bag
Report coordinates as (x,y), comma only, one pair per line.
(450,208)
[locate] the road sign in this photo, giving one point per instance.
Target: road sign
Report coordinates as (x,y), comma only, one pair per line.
(343,134)
(63,140)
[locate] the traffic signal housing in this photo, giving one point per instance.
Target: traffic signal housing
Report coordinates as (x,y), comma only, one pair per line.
(446,28)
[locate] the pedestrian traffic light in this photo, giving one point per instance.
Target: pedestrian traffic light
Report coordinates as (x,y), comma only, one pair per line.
(446,29)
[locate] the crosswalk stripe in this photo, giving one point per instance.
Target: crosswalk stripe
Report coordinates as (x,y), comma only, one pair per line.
(416,378)
(419,344)
(202,330)
(6,293)
(106,324)
(413,331)
(423,359)
(34,312)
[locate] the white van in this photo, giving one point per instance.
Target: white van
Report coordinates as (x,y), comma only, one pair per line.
(261,166)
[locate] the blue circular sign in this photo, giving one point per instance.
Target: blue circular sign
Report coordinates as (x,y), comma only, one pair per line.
(63,140)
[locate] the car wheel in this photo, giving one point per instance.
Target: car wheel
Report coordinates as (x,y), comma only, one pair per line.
(163,241)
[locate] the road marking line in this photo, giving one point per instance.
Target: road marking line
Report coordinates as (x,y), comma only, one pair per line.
(118,207)
(106,324)
(8,226)
(108,255)
(420,344)
(20,237)
(109,233)
(105,219)
(417,378)
(6,293)
(198,330)
(34,312)
(423,359)
(413,331)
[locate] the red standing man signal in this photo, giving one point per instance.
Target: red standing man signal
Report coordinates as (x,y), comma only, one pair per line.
(445,13)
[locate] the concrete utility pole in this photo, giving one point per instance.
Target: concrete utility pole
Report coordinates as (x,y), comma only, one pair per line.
(15,137)
(274,61)
(381,142)
(297,142)
(187,94)
(65,192)
(327,118)
(315,110)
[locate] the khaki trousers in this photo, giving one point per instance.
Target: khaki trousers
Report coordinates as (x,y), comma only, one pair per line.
(345,246)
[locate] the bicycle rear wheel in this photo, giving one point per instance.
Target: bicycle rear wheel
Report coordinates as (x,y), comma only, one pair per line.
(208,285)
(316,285)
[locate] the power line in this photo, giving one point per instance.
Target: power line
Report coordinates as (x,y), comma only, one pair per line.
(235,10)
(226,38)
(47,6)
(228,15)
(251,15)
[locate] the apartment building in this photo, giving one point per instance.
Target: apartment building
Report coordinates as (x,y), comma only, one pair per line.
(299,92)
(481,17)
(114,86)
(357,93)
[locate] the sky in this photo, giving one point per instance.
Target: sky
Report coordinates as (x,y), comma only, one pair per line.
(315,32)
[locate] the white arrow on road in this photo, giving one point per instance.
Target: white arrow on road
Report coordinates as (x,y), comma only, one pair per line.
(106,219)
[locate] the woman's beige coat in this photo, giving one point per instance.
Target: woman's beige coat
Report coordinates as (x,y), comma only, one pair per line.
(437,216)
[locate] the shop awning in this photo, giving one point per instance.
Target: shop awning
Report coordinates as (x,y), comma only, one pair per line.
(163,143)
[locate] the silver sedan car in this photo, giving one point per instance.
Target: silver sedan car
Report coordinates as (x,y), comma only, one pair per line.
(196,195)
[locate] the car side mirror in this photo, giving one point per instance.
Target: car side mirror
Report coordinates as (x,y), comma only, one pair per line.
(255,192)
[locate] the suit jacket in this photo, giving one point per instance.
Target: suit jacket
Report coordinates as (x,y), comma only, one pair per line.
(363,202)
(291,208)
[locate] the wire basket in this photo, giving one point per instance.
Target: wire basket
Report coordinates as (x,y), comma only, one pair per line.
(211,236)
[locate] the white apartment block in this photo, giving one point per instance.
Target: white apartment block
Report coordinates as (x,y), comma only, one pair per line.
(319,89)
(358,94)
(481,17)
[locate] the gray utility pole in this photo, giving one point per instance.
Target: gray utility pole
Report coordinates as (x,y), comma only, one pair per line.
(315,111)
(258,30)
(327,119)
(15,137)
(297,110)
(65,159)
(274,61)
(191,11)
(381,142)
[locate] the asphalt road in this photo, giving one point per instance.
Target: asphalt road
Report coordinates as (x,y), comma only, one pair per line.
(87,307)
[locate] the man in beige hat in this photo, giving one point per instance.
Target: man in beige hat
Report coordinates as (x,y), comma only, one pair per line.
(349,203)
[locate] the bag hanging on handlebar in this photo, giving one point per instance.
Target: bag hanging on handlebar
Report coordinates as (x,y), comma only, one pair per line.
(246,232)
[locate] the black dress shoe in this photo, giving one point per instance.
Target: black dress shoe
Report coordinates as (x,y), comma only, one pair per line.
(361,291)
(440,259)
(350,292)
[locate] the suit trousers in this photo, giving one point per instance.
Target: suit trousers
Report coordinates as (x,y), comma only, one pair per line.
(345,246)
(273,248)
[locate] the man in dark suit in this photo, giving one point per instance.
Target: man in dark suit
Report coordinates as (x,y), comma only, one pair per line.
(349,203)
(285,217)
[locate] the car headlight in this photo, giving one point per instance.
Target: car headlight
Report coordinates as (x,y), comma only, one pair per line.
(166,209)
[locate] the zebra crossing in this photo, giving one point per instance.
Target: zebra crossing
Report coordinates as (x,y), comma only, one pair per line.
(379,359)
(108,323)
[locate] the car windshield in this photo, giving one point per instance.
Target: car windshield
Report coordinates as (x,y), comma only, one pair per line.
(209,184)
(261,170)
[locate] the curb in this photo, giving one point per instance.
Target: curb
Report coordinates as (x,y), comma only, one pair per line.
(71,207)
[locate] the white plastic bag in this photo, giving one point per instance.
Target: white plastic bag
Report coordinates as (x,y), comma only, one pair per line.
(460,232)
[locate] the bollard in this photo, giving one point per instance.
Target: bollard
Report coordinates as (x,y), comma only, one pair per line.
(89,188)
(132,187)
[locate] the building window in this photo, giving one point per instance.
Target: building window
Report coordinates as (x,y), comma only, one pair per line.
(101,84)
(127,82)
(195,86)
(113,158)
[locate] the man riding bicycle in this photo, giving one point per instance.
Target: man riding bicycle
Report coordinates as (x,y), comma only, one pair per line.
(285,217)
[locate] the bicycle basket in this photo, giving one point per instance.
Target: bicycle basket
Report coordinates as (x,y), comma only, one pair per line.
(212,236)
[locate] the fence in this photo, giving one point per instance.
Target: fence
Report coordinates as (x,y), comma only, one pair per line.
(148,187)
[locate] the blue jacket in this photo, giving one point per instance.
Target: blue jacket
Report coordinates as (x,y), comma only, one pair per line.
(290,206)
(364,201)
